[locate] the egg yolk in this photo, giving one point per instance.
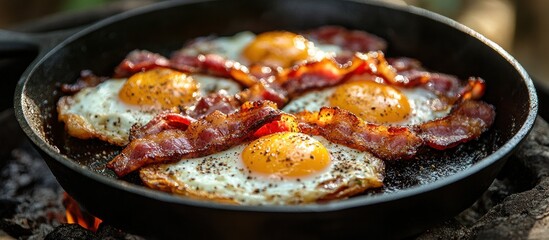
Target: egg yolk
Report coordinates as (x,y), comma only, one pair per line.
(278,48)
(371,101)
(160,87)
(286,154)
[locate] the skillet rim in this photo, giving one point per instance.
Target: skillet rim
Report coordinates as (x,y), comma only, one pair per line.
(20,103)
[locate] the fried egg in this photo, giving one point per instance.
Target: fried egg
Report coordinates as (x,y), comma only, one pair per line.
(374,102)
(280,168)
(274,48)
(108,110)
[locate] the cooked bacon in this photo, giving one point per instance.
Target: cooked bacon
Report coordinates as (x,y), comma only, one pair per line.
(329,72)
(219,101)
(314,75)
(466,122)
(138,61)
(212,64)
(86,79)
(473,90)
(159,123)
(216,132)
(206,105)
(214,102)
(340,126)
(351,40)
(452,89)
(224,103)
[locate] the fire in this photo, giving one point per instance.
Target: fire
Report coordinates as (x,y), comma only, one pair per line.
(75,214)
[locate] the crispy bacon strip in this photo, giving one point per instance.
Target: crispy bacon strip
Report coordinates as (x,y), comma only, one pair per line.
(139,60)
(212,64)
(351,40)
(86,79)
(329,72)
(466,122)
(450,87)
(216,132)
(343,127)
(447,86)
(473,90)
(224,103)
(314,75)
(214,102)
(219,101)
(159,123)
(142,60)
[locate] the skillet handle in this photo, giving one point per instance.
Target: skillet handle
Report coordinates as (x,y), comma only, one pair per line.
(16,44)
(20,51)
(13,45)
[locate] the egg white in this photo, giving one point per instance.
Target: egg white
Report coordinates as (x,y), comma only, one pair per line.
(224,176)
(421,102)
(231,47)
(102,112)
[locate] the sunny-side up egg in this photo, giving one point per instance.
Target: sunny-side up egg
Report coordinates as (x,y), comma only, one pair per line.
(274,48)
(280,168)
(374,102)
(108,110)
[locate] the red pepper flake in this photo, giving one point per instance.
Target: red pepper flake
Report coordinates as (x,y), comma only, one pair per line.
(270,128)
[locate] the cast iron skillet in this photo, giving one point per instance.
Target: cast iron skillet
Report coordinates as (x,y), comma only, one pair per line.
(418,194)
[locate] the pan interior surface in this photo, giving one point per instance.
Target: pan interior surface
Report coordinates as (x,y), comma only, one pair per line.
(440,44)
(405,38)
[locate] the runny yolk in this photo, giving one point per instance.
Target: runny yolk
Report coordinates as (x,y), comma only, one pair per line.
(160,87)
(286,154)
(278,48)
(371,101)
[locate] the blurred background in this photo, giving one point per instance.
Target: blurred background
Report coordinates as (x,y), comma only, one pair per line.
(518,26)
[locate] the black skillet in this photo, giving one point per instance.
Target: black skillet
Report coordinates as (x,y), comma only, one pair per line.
(417,195)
